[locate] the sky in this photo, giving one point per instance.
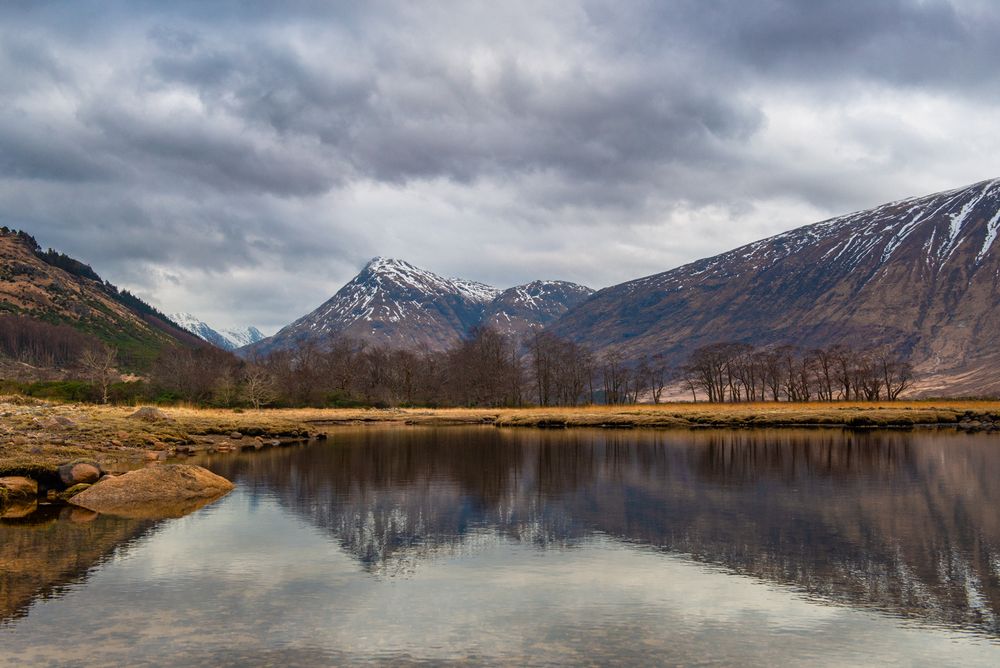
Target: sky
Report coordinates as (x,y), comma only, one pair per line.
(242,160)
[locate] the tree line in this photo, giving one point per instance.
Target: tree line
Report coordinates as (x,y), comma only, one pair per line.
(42,344)
(740,372)
(487,369)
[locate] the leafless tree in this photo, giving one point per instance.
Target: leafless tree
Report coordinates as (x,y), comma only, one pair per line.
(259,386)
(99,363)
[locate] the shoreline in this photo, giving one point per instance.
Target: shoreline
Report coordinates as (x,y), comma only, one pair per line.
(38,439)
(38,432)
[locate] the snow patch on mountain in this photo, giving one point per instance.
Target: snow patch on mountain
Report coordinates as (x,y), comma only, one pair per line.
(941,223)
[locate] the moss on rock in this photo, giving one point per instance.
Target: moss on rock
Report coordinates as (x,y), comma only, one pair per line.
(73,491)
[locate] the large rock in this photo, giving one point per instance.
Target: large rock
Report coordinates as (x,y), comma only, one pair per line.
(172,490)
(149,414)
(19,487)
(80,473)
(56,422)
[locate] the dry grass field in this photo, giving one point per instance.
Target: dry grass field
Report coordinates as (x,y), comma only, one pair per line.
(46,433)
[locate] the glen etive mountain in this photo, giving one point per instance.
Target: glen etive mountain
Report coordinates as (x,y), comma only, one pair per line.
(394,303)
(919,275)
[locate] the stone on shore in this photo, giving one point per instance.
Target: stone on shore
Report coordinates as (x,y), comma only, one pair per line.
(81,472)
(172,490)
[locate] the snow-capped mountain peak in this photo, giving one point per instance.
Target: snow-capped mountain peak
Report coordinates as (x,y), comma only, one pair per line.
(397,303)
(383,272)
(227,339)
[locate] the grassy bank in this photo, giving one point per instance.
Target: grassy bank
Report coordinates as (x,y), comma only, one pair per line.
(35,432)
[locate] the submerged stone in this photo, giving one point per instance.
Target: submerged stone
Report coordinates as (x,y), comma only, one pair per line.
(19,509)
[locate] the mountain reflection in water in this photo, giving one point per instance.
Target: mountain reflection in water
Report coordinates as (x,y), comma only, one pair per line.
(904,522)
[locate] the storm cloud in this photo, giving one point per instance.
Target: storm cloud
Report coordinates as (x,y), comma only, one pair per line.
(242,160)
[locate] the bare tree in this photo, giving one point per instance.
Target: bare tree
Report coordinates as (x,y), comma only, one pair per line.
(259,386)
(99,363)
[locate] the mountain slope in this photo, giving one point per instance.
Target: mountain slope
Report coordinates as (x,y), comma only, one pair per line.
(525,308)
(920,275)
(227,339)
(55,288)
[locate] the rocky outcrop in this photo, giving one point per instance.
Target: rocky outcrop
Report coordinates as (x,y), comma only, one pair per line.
(525,309)
(172,490)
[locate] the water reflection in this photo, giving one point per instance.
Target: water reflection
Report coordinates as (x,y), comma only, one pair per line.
(902,522)
(46,551)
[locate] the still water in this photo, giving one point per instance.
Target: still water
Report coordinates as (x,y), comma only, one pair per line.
(418,545)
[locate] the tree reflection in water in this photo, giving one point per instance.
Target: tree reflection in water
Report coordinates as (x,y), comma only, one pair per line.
(904,522)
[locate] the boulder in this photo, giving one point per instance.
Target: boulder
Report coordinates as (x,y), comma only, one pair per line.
(235,435)
(149,414)
(171,490)
(19,487)
(80,472)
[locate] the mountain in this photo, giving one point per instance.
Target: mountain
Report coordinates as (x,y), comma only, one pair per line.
(920,275)
(394,303)
(227,339)
(51,286)
(525,308)
(244,336)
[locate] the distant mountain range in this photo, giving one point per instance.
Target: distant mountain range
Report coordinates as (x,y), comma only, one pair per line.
(227,339)
(920,275)
(394,303)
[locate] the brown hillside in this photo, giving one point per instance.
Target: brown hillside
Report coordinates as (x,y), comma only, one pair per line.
(32,287)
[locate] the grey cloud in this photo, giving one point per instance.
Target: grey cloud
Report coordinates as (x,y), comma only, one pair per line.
(208,137)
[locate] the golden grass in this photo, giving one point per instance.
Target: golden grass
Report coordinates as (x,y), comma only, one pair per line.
(28,431)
